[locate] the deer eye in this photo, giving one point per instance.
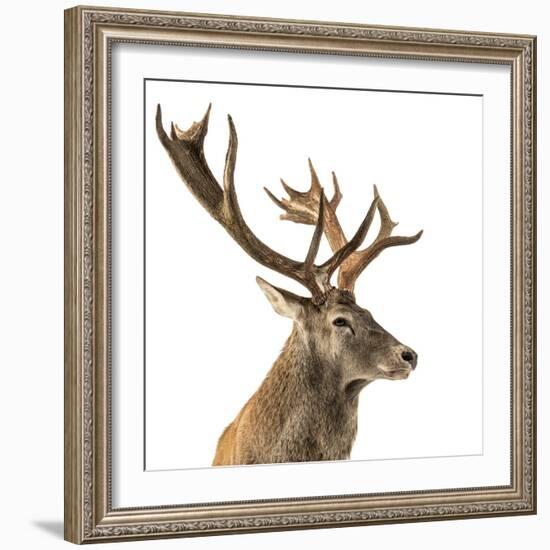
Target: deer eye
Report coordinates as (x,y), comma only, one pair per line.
(340,322)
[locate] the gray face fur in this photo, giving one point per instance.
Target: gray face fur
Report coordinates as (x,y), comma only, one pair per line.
(345,337)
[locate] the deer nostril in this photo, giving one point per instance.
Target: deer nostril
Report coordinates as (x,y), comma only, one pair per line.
(407,356)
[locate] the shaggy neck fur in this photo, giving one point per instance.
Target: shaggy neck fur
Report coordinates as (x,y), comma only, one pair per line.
(302,409)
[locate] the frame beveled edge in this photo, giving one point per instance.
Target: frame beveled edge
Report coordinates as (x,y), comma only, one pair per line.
(88,513)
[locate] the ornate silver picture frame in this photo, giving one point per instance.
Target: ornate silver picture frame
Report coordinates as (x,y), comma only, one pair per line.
(91,475)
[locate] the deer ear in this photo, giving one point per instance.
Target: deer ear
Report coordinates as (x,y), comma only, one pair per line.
(285,303)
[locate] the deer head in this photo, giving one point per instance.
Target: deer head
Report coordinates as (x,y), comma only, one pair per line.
(329,324)
(349,332)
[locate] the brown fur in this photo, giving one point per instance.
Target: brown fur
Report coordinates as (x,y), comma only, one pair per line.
(297,414)
(306,407)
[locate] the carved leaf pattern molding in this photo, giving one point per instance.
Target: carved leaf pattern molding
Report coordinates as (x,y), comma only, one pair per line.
(90,19)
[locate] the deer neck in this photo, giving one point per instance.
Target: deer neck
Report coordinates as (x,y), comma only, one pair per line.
(304,411)
(319,379)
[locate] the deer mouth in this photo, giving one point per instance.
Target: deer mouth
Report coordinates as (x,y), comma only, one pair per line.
(396,373)
(400,373)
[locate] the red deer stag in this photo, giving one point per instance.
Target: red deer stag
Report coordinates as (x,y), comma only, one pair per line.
(306,407)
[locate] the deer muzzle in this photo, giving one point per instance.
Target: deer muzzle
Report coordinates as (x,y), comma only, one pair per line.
(408,356)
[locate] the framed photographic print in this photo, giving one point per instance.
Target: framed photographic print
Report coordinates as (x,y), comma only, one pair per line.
(252,342)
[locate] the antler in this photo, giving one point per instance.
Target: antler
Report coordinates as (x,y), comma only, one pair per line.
(186,150)
(303,207)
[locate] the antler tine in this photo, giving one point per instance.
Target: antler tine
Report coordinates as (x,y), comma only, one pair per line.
(317,235)
(343,253)
(337,197)
(386,223)
(278,202)
(230,194)
(315,184)
(185,149)
(196,133)
(233,212)
(351,270)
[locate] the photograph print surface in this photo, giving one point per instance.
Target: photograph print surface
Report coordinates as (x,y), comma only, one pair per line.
(289,317)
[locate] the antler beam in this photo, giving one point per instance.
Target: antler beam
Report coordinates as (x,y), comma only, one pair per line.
(186,150)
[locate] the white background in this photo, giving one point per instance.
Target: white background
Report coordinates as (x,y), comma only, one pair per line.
(31,290)
(212,336)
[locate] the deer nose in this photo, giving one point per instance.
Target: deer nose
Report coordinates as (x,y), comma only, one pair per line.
(410,356)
